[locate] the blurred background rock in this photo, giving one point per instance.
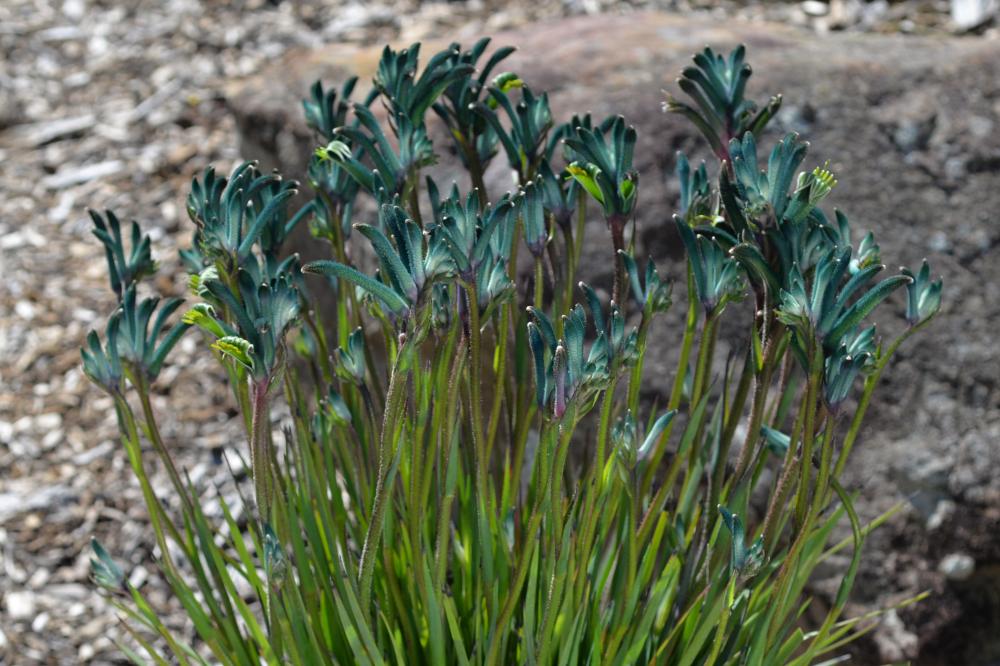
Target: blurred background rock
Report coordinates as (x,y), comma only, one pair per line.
(118,104)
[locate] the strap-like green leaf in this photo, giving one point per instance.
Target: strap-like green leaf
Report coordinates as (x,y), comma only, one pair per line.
(394,301)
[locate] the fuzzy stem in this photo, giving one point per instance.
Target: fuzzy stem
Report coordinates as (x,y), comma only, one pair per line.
(539,284)
(260,443)
(581,225)
(826,456)
(677,391)
(809,432)
(157,515)
(735,409)
(444,517)
(870,383)
(524,561)
(483,498)
(605,425)
(762,382)
(475,373)
(500,380)
(153,430)
(595,482)
(413,198)
(617,226)
(475,171)
(706,352)
(394,403)
(786,482)
(635,376)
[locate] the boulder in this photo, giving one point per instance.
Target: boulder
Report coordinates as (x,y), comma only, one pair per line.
(910,127)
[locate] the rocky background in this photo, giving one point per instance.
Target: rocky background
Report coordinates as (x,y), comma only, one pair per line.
(116,105)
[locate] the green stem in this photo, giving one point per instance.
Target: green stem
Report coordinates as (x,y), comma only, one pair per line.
(761,384)
(717,477)
(785,482)
(260,455)
(677,391)
(581,225)
(620,287)
(527,410)
(475,372)
(635,376)
(530,543)
(127,426)
(735,409)
(826,456)
(475,171)
(706,351)
(395,400)
(442,385)
(339,250)
(870,383)
(324,351)
(539,285)
(343,321)
(566,428)
(500,380)
(566,299)
(444,517)
(483,498)
(413,197)
(515,246)
(595,482)
(153,431)
(604,427)
(858,536)
(809,433)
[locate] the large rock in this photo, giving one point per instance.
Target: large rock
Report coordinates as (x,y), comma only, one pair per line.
(910,126)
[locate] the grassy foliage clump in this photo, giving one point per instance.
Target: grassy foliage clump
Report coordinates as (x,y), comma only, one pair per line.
(468,474)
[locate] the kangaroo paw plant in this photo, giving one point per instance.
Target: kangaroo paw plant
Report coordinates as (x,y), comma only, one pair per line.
(469,471)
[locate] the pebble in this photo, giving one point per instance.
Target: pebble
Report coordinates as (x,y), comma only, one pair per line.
(913,133)
(37,134)
(74,9)
(939,242)
(138,577)
(980,126)
(26,236)
(74,175)
(25,310)
(39,578)
(23,499)
(815,8)
(52,439)
(957,566)
(40,622)
(954,168)
(969,14)
(90,455)
(895,642)
(48,421)
(943,512)
(20,605)
(67,592)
